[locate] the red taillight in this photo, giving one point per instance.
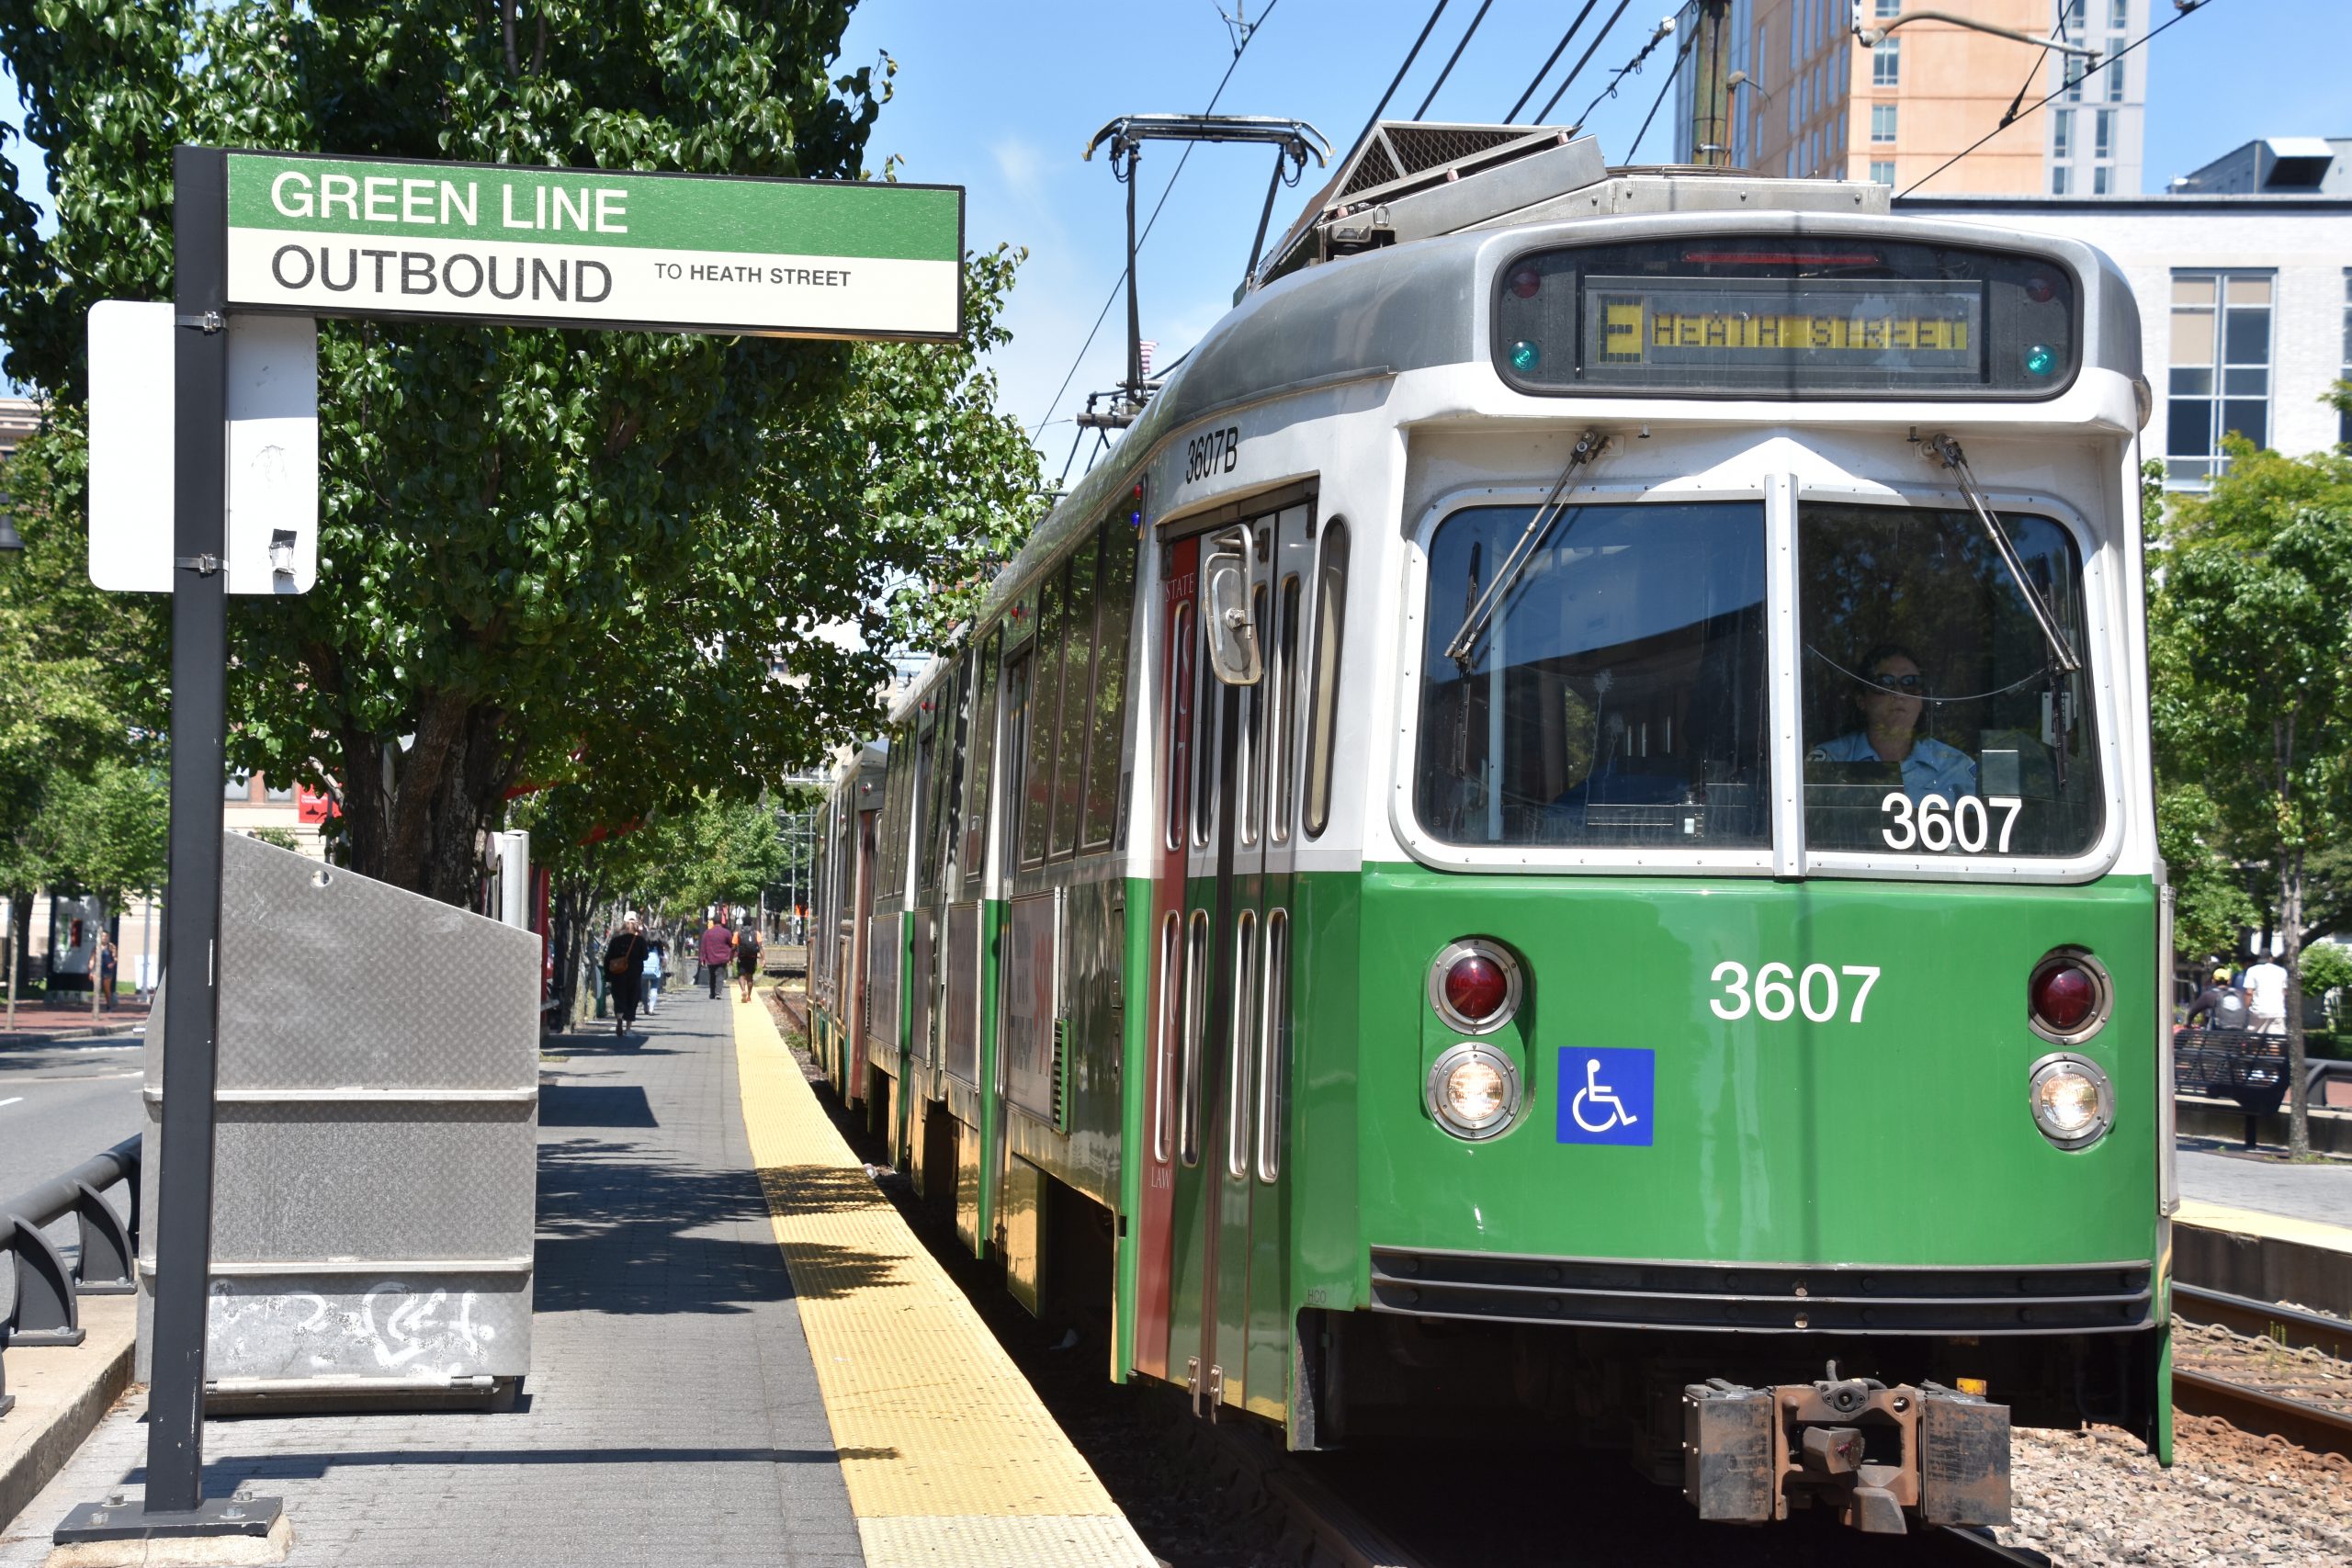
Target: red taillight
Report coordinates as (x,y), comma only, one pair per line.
(1477,987)
(1526,283)
(2063,996)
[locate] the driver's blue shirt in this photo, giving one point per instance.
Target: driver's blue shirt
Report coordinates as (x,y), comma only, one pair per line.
(1932,768)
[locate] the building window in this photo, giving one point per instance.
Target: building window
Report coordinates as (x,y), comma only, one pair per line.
(2114,71)
(2220,374)
(1888,8)
(275,793)
(2119,15)
(1882,122)
(2061,180)
(2061,133)
(240,787)
(2103,134)
(2098,180)
(2071,17)
(2075,69)
(1883,173)
(1886,62)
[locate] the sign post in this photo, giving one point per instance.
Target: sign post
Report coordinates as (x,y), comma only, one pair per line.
(305,235)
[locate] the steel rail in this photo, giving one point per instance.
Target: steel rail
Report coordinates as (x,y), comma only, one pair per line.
(2265,1414)
(2303,1330)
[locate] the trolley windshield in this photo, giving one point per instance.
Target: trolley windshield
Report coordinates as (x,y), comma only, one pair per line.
(1618,694)
(1935,720)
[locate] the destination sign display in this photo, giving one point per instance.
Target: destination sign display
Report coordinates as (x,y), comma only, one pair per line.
(1927,329)
(674,253)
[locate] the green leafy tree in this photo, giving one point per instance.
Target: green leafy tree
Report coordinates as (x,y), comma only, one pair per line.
(2251,659)
(2209,904)
(76,689)
(545,556)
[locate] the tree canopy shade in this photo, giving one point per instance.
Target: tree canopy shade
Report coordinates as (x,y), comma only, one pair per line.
(628,562)
(2250,653)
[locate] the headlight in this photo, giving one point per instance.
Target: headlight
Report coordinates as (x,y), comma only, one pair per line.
(1474,1091)
(2071,1101)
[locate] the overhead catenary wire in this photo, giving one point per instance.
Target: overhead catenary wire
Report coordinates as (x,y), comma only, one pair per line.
(1410,55)
(1585,58)
(1663,87)
(1484,6)
(1550,59)
(1120,282)
(1665,31)
(2182,15)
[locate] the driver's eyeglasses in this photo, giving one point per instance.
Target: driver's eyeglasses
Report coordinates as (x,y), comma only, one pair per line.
(1914,682)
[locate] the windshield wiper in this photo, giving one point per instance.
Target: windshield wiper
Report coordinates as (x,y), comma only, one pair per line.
(1948,450)
(1539,528)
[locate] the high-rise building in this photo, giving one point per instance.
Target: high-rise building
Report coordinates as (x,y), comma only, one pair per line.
(1809,99)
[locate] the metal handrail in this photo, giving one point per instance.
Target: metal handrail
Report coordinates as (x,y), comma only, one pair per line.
(46,1309)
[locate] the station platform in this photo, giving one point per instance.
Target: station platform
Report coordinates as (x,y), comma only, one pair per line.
(741,1356)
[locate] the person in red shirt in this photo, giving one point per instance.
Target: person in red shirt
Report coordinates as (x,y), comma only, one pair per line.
(718,947)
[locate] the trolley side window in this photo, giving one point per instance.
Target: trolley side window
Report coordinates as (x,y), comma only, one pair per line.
(1077,691)
(1617,692)
(1045,692)
(1330,627)
(1109,710)
(983,760)
(1937,721)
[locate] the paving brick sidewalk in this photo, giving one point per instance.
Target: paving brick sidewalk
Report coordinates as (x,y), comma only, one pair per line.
(672,1414)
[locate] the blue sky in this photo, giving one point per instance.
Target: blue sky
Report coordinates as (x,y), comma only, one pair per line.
(1002,99)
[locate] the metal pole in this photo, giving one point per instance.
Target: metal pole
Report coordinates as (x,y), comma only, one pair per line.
(174,1503)
(1135,315)
(1258,245)
(12,966)
(199,684)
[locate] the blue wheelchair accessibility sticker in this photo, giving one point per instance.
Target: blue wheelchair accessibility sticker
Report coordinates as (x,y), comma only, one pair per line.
(1607,1095)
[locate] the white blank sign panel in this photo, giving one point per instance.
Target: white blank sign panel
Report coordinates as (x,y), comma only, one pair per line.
(272,440)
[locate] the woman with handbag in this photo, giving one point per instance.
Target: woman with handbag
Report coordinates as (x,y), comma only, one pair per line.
(624,970)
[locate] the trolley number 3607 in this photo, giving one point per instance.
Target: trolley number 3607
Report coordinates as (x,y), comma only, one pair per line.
(1937,825)
(1780,991)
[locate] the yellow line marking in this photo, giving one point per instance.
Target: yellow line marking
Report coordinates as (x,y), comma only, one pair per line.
(948,1455)
(2276,1227)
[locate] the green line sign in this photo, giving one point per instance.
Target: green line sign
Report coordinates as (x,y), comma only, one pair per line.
(324,236)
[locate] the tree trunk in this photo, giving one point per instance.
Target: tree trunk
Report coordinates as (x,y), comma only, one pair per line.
(2291,917)
(427,831)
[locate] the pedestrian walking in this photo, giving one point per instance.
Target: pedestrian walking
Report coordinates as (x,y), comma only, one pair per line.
(718,948)
(747,957)
(104,962)
(653,979)
(2265,996)
(2217,1003)
(625,971)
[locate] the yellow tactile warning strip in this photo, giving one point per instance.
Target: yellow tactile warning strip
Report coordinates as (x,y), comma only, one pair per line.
(2250,1221)
(948,1455)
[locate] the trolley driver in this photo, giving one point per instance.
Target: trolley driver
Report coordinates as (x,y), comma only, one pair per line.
(1892,701)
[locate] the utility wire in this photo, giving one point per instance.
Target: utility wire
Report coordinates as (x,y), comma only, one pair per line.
(1410,55)
(2182,15)
(1663,87)
(1622,72)
(1550,59)
(2027,85)
(1121,281)
(1456,55)
(1590,50)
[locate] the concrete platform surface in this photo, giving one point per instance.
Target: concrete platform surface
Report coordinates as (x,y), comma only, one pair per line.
(2214,1171)
(673,1414)
(61,1394)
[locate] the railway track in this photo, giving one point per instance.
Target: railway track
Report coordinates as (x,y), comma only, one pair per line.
(2271,1370)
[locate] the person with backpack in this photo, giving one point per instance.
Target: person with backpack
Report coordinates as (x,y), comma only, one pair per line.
(747,957)
(2219,1004)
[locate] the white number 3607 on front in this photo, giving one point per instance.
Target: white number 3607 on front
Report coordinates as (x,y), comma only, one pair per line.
(1780,991)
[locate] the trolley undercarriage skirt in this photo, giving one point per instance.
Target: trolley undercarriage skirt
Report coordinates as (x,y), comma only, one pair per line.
(1762,1298)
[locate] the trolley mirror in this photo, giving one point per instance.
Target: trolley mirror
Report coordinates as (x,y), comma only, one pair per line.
(1232,631)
